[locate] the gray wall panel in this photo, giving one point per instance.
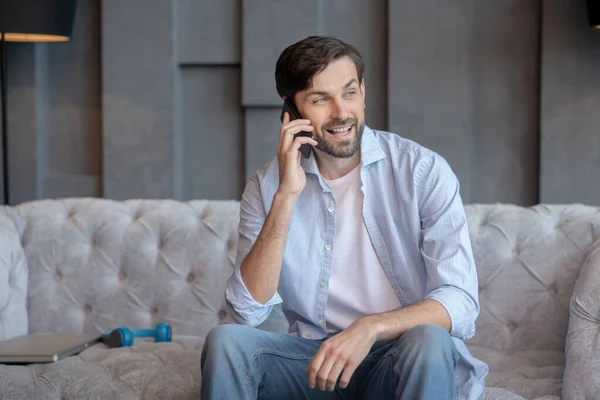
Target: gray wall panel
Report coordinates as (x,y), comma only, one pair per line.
(504,100)
(74,134)
(137,98)
(71,185)
(54,98)
(363,24)
(23,112)
(209,31)
(462,78)
(262,137)
(570,116)
(465,86)
(212,130)
(267,29)
(428,78)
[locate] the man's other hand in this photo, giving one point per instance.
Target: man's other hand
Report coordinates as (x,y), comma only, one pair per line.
(341,354)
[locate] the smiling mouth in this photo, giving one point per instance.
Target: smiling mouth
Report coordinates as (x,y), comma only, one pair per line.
(343,131)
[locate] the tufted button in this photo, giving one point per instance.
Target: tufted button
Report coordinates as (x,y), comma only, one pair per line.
(553,289)
(518,249)
(154,310)
(191,277)
(58,276)
(87,309)
(222,315)
(122,276)
(70,214)
(483,288)
(511,326)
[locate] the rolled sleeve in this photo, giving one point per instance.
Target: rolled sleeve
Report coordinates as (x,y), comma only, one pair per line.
(446,246)
(242,306)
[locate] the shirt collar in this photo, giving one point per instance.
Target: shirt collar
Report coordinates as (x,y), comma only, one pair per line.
(370,152)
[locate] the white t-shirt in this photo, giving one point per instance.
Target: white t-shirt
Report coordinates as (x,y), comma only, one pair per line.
(358,285)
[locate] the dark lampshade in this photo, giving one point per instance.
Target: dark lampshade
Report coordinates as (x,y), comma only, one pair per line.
(593,8)
(36,20)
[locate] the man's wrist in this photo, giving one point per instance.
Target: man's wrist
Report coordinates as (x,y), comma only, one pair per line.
(385,326)
(285,197)
(374,325)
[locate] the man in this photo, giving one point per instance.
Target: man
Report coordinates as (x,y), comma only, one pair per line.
(365,243)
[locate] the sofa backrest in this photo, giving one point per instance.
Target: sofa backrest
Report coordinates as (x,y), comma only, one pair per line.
(97,264)
(13,279)
(528,260)
(91,265)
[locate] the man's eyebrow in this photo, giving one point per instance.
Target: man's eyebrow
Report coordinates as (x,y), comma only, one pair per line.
(350,82)
(325,93)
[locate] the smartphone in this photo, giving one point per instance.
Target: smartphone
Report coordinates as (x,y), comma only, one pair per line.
(291,109)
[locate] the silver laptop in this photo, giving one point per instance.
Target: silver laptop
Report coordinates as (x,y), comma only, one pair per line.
(43,348)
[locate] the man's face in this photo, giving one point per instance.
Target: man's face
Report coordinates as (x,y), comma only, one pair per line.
(335,106)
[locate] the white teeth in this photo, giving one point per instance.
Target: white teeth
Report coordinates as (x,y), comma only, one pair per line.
(341,130)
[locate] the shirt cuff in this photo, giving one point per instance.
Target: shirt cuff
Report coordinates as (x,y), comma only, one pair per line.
(242,306)
(460,307)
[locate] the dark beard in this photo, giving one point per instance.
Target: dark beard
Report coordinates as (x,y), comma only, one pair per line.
(344,149)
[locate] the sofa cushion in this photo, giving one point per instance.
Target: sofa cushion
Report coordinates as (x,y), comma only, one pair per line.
(503,394)
(145,370)
(530,374)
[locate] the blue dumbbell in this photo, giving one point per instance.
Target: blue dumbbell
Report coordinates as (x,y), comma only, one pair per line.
(122,337)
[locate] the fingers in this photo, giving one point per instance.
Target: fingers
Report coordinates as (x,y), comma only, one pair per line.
(325,368)
(314,367)
(288,131)
(300,140)
(335,373)
(349,369)
(323,374)
(293,152)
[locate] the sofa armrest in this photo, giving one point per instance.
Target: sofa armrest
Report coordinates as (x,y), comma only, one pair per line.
(14,318)
(582,370)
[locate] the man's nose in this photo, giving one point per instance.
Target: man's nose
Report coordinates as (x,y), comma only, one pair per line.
(339,111)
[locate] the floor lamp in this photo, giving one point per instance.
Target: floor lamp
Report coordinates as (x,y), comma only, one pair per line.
(29,21)
(593,8)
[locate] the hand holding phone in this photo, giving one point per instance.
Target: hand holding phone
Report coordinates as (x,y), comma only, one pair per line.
(291,109)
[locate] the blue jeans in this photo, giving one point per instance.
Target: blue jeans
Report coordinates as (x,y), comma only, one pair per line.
(239,362)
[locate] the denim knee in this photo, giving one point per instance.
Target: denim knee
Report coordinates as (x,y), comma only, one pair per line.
(226,339)
(225,336)
(432,338)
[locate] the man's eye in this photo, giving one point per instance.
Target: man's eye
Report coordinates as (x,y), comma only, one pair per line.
(351,93)
(319,100)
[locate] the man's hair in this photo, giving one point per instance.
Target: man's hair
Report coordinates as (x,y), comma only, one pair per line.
(301,61)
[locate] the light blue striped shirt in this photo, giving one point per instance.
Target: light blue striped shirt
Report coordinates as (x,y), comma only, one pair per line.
(415,218)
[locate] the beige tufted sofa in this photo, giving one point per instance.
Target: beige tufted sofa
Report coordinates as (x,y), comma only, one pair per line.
(91,265)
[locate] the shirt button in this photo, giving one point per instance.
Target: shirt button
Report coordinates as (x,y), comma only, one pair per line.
(320,322)
(327,247)
(330,209)
(308,335)
(323,284)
